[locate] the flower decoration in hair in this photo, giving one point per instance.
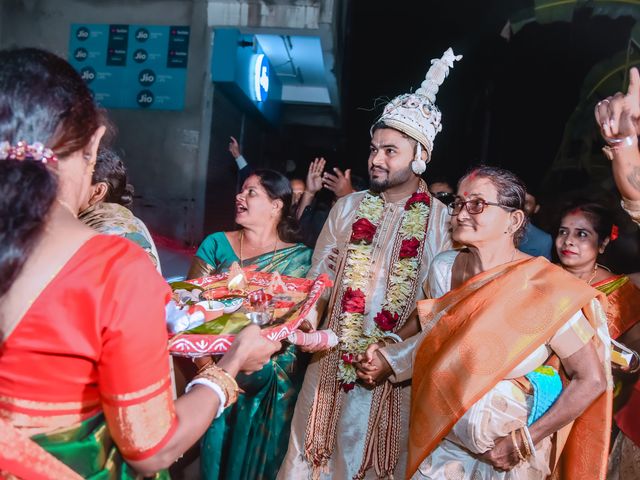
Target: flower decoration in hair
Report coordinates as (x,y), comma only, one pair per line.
(614,232)
(24,151)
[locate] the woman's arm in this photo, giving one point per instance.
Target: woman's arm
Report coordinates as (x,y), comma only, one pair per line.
(588,382)
(199,268)
(196,410)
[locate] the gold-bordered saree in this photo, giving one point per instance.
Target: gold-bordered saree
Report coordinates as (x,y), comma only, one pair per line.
(479,332)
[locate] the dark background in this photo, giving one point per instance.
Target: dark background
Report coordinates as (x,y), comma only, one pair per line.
(505,103)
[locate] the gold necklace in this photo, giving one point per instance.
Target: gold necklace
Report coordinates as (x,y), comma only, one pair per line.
(593,275)
(275,247)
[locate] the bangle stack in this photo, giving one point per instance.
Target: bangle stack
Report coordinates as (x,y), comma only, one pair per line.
(528,447)
(218,380)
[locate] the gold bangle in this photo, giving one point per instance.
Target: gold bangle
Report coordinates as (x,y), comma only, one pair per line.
(525,442)
(205,366)
(515,444)
(219,376)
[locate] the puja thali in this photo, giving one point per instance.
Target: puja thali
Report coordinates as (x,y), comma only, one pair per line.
(232,300)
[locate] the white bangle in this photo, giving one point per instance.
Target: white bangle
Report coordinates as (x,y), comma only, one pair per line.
(393,336)
(628,141)
(213,386)
(530,441)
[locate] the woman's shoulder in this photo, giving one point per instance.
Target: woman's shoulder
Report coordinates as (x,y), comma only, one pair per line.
(216,239)
(219,236)
(445,259)
(113,251)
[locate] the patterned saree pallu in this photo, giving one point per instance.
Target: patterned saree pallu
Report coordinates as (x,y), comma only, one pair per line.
(232,300)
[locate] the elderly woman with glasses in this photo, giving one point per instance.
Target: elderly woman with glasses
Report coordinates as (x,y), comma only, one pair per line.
(513,350)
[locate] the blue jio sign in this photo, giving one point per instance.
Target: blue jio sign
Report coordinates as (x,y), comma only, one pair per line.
(132,66)
(261,77)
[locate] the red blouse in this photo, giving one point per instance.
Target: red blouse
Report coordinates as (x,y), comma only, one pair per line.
(94,340)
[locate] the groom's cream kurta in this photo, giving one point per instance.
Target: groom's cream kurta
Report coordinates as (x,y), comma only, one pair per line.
(352,424)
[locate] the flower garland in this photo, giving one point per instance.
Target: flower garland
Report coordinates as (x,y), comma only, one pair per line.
(404,270)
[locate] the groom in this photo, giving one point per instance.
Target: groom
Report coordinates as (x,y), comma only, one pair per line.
(387,237)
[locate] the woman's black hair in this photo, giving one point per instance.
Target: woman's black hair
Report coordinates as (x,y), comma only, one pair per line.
(111,170)
(42,99)
(511,191)
(601,217)
(278,187)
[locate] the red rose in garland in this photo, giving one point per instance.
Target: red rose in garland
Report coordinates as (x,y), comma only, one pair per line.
(386,320)
(417,198)
(348,358)
(353,301)
(347,387)
(362,231)
(409,248)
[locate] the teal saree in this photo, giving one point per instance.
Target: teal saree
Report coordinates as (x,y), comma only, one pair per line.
(249,440)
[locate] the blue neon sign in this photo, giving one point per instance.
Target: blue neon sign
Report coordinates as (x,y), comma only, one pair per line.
(261,78)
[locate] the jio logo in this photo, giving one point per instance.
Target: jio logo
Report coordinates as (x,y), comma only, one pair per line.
(145,98)
(82,33)
(142,35)
(261,78)
(88,74)
(80,54)
(140,55)
(146,77)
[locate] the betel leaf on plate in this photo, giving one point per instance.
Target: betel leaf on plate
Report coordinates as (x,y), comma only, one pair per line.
(184,286)
(227,324)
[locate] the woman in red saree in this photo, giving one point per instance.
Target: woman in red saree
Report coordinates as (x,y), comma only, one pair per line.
(84,375)
(585,231)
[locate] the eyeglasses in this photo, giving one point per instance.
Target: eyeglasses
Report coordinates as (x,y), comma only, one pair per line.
(474,207)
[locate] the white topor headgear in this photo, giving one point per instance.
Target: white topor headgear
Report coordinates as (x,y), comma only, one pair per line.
(416,114)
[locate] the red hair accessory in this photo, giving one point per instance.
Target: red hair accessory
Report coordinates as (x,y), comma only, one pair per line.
(614,232)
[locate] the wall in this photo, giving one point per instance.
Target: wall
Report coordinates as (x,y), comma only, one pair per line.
(178,161)
(166,152)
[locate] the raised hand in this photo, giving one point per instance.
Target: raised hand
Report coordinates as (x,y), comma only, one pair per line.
(314,176)
(234,148)
(340,183)
(618,116)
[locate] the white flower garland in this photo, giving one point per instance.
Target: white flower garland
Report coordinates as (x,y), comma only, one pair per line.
(353,339)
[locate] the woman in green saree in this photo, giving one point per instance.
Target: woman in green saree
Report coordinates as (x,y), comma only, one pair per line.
(250,440)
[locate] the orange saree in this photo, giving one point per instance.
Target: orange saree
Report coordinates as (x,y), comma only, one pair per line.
(479,332)
(624,303)
(624,313)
